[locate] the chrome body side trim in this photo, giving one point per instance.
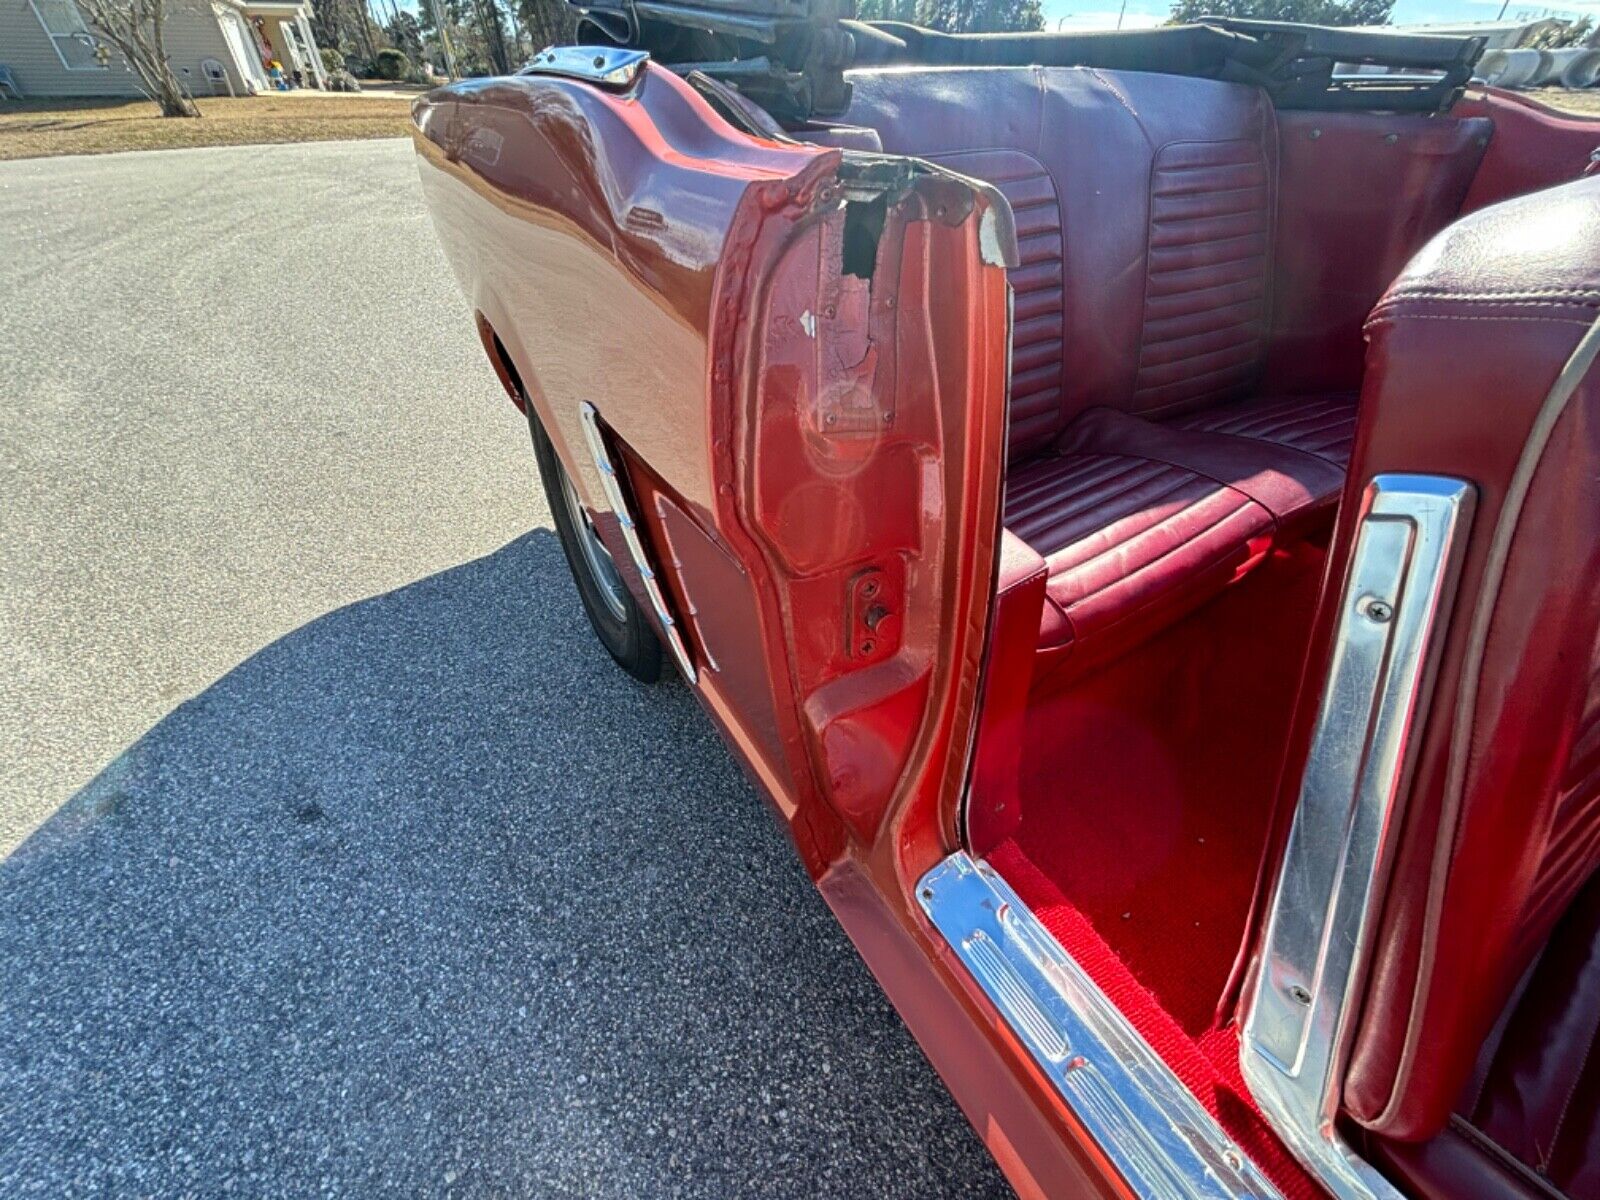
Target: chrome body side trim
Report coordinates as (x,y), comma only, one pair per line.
(630,534)
(1396,601)
(1164,1144)
(609,66)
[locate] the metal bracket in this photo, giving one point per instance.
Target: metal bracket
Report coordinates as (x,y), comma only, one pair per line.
(1397,598)
(608,66)
(872,615)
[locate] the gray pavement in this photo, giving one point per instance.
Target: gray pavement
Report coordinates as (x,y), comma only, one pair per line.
(335,856)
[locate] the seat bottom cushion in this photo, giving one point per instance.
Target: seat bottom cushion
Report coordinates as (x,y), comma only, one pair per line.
(1138,523)
(1319,425)
(1129,545)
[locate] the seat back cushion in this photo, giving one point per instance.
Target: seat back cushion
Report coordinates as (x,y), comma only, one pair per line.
(1144,215)
(1530,1117)
(1470,351)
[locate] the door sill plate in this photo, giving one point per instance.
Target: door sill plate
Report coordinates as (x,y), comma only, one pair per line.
(1159,1137)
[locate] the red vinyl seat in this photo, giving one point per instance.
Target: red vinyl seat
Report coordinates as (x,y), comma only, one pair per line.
(1528,1122)
(1144,470)
(1323,425)
(1128,541)
(1482,367)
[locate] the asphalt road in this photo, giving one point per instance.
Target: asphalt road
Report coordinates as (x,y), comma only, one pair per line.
(337,857)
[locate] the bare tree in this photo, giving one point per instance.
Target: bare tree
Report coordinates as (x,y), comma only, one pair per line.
(134,27)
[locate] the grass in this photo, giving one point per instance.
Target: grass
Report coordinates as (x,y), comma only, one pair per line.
(35,128)
(1585,103)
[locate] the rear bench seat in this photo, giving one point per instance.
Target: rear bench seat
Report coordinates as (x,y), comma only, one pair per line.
(1146,471)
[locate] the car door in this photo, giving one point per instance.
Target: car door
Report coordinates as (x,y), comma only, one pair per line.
(791,362)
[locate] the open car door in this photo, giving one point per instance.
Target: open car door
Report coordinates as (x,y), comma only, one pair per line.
(775,374)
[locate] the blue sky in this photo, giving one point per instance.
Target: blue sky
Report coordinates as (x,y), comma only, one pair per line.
(1102,14)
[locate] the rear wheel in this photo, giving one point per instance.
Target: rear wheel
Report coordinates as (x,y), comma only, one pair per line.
(617,618)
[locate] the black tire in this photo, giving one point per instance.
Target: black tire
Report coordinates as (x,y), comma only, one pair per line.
(619,623)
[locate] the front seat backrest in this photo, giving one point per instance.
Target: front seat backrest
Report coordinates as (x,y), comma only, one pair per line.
(1481,367)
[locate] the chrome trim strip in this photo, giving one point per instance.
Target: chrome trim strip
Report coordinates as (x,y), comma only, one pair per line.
(630,534)
(1397,597)
(609,66)
(1164,1144)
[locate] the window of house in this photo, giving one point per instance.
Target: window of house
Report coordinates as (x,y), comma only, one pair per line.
(70,36)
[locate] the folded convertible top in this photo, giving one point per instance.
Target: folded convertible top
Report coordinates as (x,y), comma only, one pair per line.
(791,56)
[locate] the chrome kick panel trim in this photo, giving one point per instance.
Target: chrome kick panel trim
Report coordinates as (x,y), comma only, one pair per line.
(630,534)
(1164,1144)
(609,66)
(1397,596)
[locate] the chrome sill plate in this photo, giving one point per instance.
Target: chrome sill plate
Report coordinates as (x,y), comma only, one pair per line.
(1164,1144)
(1396,601)
(630,535)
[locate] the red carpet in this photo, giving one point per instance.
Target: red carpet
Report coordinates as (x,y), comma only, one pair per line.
(1208,1064)
(1147,794)
(1147,788)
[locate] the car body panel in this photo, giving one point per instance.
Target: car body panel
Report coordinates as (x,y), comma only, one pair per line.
(803,444)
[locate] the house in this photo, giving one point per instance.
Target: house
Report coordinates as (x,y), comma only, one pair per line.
(216,47)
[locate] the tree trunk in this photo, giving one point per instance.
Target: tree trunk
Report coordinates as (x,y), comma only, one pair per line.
(134,28)
(169,92)
(170,96)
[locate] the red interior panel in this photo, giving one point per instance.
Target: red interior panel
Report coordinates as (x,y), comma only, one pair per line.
(1358,194)
(1533,146)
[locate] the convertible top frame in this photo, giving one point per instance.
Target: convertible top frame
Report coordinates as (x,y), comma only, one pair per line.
(790,56)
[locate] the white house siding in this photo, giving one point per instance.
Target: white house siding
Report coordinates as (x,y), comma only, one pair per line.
(26,48)
(191,32)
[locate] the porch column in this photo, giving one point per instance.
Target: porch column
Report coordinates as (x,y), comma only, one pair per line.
(303,23)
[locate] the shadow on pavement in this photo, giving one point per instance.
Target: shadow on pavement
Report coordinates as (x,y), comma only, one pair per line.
(427,897)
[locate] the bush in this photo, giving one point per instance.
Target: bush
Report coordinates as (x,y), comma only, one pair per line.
(391,64)
(342,81)
(332,60)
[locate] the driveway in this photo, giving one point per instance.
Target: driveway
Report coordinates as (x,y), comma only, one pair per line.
(335,856)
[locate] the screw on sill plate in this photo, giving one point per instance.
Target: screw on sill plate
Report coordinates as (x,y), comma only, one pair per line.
(1299,995)
(1378,610)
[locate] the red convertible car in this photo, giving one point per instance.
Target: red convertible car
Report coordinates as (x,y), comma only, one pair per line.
(1132,503)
